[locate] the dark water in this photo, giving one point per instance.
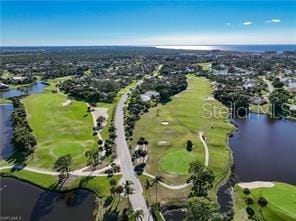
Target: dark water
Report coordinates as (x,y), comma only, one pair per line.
(264,149)
(25,201)
(37,87)
(5,130)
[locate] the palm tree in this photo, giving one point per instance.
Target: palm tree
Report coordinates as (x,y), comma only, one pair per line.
(138,214)
(155,181)
(119,189)
(128,189)
(148,184)
(63,165)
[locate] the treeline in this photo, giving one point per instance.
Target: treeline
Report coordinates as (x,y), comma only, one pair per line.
(93,90)
(22,138)
(167,86)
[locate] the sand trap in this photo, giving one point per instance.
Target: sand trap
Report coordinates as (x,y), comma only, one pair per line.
(165,123)
(256,184)
(67,102)
(162,142)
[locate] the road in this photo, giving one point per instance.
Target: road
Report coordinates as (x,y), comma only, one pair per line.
(123,153)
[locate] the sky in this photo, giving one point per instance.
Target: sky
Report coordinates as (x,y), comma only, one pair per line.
(44,23)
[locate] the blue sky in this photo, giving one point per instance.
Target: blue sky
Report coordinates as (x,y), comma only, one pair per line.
(147,22)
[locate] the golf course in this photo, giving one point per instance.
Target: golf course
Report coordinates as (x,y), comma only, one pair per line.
(168,126)
(59,129)
(281,202)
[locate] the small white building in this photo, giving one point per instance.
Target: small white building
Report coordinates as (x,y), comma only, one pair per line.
(149,95)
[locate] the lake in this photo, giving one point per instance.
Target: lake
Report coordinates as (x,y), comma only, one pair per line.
(24,201)
(5,130)
(37,87)
(264,149)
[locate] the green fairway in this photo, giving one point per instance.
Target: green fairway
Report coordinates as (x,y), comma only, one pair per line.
(177,162)
(59,129)
(185,116)
(281,203)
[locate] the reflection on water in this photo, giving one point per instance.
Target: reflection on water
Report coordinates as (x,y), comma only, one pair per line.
(20,199)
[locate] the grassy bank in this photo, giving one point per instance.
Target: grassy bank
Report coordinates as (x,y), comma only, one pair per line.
(99,185)
(281,204)
(186,117)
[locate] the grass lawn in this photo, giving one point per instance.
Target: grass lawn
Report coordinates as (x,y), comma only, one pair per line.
(167,153)
(59,129)
(164,196)
(281,203)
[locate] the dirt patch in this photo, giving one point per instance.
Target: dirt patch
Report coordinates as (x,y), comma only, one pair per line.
(256,184)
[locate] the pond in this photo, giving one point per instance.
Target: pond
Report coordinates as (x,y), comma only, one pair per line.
(23,201)
(37,87)
(263,150)
(5,130)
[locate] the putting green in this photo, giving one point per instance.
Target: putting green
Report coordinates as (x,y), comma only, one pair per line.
(177,162)
(73,149)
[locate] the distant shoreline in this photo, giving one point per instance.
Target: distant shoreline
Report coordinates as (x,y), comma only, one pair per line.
(255,48)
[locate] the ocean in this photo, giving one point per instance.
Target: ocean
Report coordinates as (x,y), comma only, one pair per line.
(247,48)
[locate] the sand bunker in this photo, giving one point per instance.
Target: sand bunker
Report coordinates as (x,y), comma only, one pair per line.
(162,142)
(67,102)
(209,99)
(165,123)
(256,184)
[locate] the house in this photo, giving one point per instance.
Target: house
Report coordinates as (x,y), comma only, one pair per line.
(149,95)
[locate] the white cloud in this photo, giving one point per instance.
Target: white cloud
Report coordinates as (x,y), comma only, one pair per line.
(228,24)
(246,23)
(274,20)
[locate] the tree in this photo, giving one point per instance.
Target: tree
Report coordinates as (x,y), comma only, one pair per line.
(128,188)
(202,179)
(100,121)
(189,145)
(202,209)
(63,165)
(93,157)
(262,203)
(250,212)
(119,190)
(249,201)
(155,182)
(138,214)
(246,191)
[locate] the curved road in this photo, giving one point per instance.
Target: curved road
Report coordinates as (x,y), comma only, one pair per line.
(137,200)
